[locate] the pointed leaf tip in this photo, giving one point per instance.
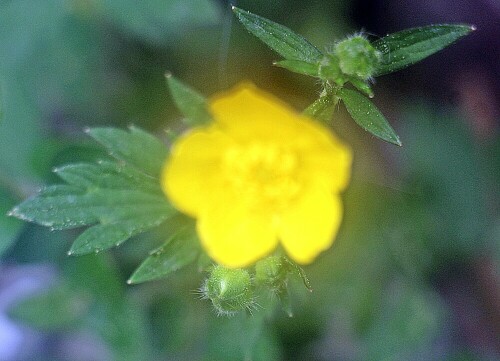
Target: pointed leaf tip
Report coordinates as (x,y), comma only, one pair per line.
(279,38)
(366,114)
(407,47)
(190,103)
(177,252)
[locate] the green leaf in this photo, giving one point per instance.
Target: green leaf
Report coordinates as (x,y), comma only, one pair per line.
(107,175)
(52,309)
(407,47)
(65,207)
(366,114)
(322,109)
(281,39)
(107,235)
(192,104)
(136,147)
(121,201)
(299,66)
(178,252)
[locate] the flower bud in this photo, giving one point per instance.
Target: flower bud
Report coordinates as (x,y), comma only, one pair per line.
(271,272)
(357,57)
(329,68)
(230,290)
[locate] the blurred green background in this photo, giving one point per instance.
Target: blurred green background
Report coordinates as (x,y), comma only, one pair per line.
(414,273)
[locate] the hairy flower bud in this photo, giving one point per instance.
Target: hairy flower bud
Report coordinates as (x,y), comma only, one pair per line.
(357,57)
(230,290)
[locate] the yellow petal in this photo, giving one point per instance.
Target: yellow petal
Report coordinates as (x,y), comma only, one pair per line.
(310,226)
(330,164)
(248,113)
(234,236)
(191,175)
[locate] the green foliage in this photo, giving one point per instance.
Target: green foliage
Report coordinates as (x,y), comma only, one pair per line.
(118,199)
(405,324)
(299,67)
(89,299)
(113,314)
(357,311)
(177,252)
(407,47)
(191,103)
(136,147)
(281,39)
(368,116)
(354,60)
(323,107)
(68,307)
(447,183)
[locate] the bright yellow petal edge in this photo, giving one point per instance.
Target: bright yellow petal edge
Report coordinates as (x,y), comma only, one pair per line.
(260,174)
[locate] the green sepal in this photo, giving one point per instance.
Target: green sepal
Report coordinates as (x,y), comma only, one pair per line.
(366,114)
(136,147)
(279,38)
(285,301)
(407,47)
(300,272)
(190,103)
(177,252)
(362,86)
(230,290)
(299,67)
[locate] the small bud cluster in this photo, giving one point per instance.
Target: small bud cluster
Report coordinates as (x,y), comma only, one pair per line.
(357,57)
(234,290)
(352,60)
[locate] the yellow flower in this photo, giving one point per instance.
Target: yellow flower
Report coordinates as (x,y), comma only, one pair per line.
(258,175)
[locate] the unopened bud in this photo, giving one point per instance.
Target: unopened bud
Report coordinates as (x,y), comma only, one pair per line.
(357,57)
(230,290)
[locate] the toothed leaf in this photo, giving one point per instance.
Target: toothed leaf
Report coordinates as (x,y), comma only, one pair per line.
(134,147)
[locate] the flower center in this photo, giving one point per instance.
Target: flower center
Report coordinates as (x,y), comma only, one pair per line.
(266,175)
